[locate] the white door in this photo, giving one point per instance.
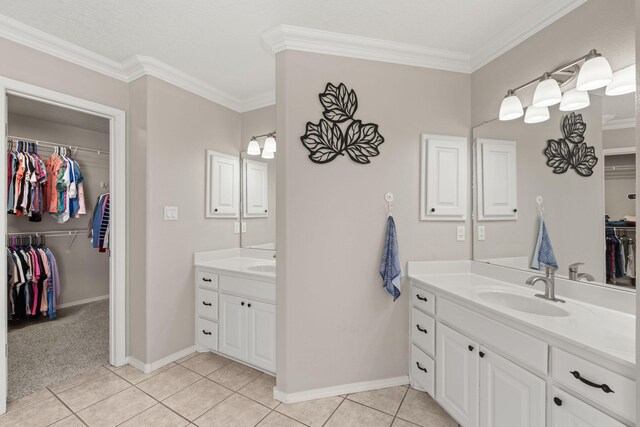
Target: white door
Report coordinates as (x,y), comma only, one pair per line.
(233,326)
(443,178)
(509,395)
(497,180)
(256,189)
(262,335)
(568,411)
(457,376)
(223,185)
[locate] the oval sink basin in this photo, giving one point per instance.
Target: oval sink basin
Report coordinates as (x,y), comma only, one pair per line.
(526,304)
(263,268)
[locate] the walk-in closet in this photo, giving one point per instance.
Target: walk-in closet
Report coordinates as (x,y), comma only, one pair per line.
(58,223)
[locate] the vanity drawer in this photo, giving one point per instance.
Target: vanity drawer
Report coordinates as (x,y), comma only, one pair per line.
(206,280)
(423,300)
(515,344)
(567,410)
(422,370)
(207,303)
(255,289)
(623,396)
(207,333)
(423,328)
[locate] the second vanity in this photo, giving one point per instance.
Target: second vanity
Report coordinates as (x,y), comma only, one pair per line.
(236,305)
(494,355)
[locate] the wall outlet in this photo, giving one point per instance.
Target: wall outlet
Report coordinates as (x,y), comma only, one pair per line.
(460,233)
(481,232)
(236,227)
(244,227)
(170,213)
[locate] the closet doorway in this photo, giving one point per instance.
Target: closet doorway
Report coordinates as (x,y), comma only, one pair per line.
(89,140)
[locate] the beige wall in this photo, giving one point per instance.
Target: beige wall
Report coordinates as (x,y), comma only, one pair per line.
(619,138)
(336,324)
(259,122)
(573,205)
(84,272)
(597,24)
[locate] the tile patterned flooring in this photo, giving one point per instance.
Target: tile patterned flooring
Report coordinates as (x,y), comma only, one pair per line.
(205,389)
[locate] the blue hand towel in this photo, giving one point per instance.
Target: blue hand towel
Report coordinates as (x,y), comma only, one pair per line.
(543,253)
(390,267)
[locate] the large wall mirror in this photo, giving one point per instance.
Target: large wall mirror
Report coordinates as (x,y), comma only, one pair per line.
(591,220)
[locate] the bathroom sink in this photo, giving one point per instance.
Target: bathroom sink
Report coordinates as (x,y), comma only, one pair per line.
(527,304)
(262,268)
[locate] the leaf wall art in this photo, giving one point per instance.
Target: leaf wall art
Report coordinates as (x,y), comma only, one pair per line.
(327,139)
(571,151)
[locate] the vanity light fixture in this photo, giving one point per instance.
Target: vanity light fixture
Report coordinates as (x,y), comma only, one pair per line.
(547,92)
(269,146)
(536,114)
(511,107)
(573,100)
(624,81)
(595,72)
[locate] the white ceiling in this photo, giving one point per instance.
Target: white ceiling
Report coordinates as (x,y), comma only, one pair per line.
(218,41)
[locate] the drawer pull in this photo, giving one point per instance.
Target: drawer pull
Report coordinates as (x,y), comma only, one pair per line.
(242,303)
(557,401)
(421,298)
(206,332)
(208,304)
(420,329)
(420,367)
(604,387)
(204,279)
(470,348)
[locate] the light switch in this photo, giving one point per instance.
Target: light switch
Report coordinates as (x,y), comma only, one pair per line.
(170,213)
(244,227)
(481,232)
(460,233)
(236,227)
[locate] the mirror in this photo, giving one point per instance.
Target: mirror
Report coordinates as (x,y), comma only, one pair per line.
(258,202)
(511,176)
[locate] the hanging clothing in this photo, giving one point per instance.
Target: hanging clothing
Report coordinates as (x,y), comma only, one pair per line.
(100,223)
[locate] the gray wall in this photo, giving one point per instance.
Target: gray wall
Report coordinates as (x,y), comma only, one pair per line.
(84,272)
(619,138)
(259,122)
(335,323)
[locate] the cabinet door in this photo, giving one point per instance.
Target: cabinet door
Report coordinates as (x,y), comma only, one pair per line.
(509,395)
(255,189)
(457,375)
(568,411)
(233,326)
(223,185)
(443,178)
(497,179)
(262,335)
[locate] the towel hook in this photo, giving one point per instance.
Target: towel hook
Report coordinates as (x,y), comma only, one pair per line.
(539,202)
(389,198)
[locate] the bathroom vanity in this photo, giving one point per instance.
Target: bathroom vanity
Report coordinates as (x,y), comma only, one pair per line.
(236,305)
(492,354)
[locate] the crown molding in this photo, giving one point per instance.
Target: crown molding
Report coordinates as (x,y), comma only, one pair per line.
(619,124)
(521,29)
(265,100)
(288,37)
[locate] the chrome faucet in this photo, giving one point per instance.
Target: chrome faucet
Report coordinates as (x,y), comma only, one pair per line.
(575,275)
(549,280)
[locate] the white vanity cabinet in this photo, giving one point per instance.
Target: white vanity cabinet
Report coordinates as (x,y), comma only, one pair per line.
(222,185)
(496,165)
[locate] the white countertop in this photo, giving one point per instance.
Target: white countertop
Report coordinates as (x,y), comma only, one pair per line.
(240,264)
(601,330)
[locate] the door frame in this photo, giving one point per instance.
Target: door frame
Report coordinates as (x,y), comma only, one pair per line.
(117,239)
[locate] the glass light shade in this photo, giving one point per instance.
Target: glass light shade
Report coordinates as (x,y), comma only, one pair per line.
(595,73)
(624,81)
(536,114)
(547,93)
(511,108)
(270,144)
(254,147)
(573,100)
(267,154)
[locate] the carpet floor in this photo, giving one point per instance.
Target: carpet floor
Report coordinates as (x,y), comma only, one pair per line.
(47,352)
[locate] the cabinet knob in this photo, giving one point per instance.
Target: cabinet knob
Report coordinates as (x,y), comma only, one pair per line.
(265,211)
(470,348)
(242,303)
(481,354)
(515,210)
(557,401)
(215,210)
(206,332)
(208,304)
(249,305)
(433,209)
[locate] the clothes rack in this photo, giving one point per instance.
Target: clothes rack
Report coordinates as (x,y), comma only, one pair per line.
(52,145)
(56,233)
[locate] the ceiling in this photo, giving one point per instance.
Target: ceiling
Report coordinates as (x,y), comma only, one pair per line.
(218,41)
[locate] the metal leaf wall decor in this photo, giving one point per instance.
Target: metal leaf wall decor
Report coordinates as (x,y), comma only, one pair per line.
(571,151)
(340,131)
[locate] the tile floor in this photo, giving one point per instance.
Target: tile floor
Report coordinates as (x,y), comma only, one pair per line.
(209,390)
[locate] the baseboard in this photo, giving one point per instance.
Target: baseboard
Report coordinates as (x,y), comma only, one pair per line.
(141,366)
(319,393)
(150,367)
(82,301)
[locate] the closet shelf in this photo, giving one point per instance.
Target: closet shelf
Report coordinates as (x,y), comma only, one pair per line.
(52,145)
